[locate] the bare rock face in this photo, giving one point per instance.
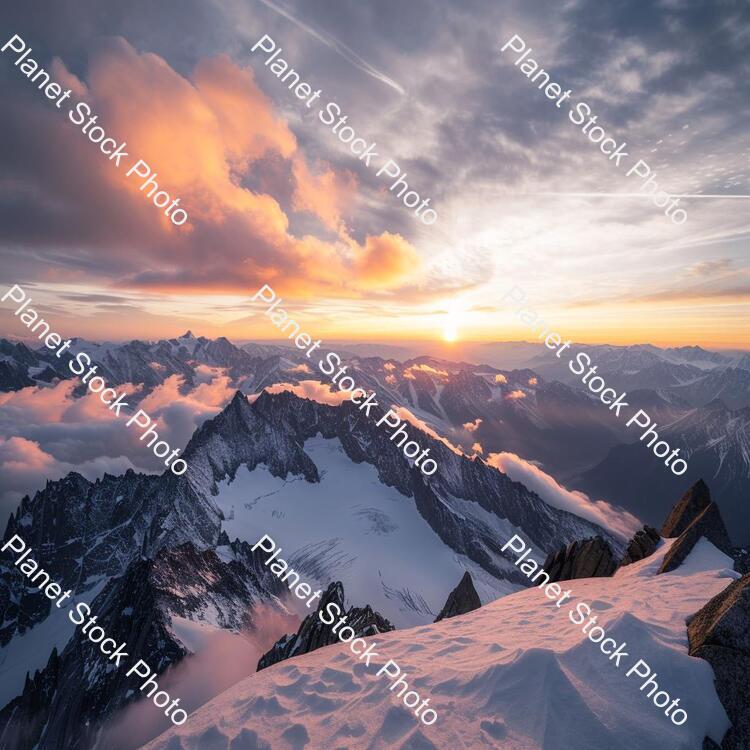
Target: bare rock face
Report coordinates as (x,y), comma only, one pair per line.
(641,546)
(589,558)
(462,599)
(314,634)
(742,560)
(708,524)
(689,507)
(720,633)
(63,706)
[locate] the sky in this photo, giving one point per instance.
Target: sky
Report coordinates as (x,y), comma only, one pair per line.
(523,198)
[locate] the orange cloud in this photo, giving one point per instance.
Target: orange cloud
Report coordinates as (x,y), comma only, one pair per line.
(515,394)
(205,136)
(386,260)
(405,415)
(20,454)
(533,381)
(429,370)
(206,399)
(499,378)
(472,426)
(391,379)
(477,448)
(40,404)
(324,195)
(313,390)
(302,367)
(236,101)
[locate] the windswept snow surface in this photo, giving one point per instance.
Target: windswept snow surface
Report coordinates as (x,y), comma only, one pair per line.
(515,674)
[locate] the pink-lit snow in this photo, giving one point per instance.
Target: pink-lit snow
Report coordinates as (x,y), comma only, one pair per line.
(515,674)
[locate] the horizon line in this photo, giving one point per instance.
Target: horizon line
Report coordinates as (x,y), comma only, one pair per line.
(285,342)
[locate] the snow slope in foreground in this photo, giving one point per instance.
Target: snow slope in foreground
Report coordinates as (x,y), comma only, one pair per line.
(515,674)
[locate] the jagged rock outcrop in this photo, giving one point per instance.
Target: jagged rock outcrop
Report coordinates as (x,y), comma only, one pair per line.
(686,510)
(589,558)
(314,634)
(462,599)
(30,710)
(84,533)
(708,524)
(720,633)
(67,703)
(741,557)
(642,545)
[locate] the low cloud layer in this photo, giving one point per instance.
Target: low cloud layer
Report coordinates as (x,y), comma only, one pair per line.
(223,658)
(616,520)
(46,432)
(313,390)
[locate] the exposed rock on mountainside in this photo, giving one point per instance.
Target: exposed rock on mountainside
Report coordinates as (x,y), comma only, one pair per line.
(66,704)
(642,545)
(720,633)
(708,524)
(686,510)
(730,384)
(314,634)
(12,378)
(22,720)
(462,599)
(741,560)
(81,532)
(590,558)
(126,535)
(21,367)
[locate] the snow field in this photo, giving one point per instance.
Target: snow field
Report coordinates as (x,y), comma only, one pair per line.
(352,528)
(514,674)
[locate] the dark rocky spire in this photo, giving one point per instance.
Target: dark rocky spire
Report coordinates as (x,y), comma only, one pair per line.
(462,599)
(708,524)
(641,546)
(689,507)
(588,558)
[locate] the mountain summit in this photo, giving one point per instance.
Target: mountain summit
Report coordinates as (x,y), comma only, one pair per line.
(687,509)
(695,516)
(462,599)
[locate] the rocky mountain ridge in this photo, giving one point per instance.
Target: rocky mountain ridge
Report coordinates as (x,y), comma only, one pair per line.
(153,546)
(313,633)
(537,413)
(66,703)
